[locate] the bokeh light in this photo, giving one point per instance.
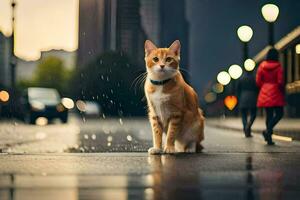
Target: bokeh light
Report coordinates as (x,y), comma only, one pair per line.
(41,121)
(223,78)
(235,71)
(245,33)
(297,49)
(4,96)
(68,103)
(210,97)
(230,102)
(270,12)
(81,106)
(249,64)
(218,88)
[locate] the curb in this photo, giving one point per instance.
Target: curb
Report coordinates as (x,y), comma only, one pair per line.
(294,134)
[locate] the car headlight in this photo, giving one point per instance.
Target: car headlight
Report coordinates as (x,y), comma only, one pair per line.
(67,103)
(37,106)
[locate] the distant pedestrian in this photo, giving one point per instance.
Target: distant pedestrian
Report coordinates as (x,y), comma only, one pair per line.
(270,80)
(247,96)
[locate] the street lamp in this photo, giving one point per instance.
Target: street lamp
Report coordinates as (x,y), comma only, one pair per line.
(223,78)
(249,65)
(235,71)
(245,34)
(270,13)
(12,55)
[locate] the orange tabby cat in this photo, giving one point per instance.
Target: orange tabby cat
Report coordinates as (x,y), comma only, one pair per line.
(172,103)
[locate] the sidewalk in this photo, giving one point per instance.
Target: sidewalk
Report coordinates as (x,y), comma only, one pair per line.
(52,137)
(286,127)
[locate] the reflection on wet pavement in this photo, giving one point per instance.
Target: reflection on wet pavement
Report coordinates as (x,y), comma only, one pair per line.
(113,135)
(163,177)
(230,166)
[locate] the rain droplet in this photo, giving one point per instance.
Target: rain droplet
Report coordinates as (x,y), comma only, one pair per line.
(93,148)
(86,136)
(94,137)
(81,149)
(109,144)
(109,138)
(129,138)
(121,121)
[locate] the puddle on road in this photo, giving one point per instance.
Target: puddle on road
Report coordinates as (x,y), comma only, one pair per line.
(109,142)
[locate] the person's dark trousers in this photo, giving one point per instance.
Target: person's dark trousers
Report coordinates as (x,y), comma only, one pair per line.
(248,121)
(274,115)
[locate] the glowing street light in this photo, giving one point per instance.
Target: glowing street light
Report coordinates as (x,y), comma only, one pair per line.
(245,34)
(270,13)
(249,65)
(235,71)
(223,78)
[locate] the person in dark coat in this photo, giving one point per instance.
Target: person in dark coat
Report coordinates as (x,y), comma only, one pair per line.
(247,97)
(270,80)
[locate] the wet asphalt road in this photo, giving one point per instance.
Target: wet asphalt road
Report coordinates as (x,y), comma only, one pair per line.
(113,164)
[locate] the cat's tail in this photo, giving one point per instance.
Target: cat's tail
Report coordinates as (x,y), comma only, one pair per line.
(201,114)
(201,120)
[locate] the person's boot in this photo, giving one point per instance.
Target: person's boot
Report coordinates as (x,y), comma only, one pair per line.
(265,135)
(269,138)
(248,131)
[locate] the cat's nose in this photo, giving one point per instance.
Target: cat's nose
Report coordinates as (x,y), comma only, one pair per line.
(162,66)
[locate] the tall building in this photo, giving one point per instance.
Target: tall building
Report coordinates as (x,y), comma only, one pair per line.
(4,61)
(91,26)
(106,25)
(130,33)
(165,21)
(150,13)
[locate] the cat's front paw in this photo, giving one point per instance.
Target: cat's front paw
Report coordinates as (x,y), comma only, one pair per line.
(154,151)
(169,149)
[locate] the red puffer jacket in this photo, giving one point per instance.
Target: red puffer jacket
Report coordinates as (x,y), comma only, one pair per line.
(269,79)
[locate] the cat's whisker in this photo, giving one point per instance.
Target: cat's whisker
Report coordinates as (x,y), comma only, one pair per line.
(137,78)
(141,81)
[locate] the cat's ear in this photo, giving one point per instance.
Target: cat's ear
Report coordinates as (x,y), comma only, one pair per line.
(175,47)
(149,47)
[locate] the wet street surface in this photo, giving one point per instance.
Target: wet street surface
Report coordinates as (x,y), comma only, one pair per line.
(107,159)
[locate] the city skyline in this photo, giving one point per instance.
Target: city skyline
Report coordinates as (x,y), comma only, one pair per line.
(41,26)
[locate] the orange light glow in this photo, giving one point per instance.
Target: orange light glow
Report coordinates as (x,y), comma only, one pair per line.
(230,102)
(4,96)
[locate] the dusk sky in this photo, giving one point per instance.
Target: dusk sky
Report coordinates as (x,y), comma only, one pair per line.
(214,44)
(41,26)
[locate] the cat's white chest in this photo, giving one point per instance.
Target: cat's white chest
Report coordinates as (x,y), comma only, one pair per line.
(160,102)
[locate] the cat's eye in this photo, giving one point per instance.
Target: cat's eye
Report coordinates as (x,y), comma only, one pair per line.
(155,59)
(169,59)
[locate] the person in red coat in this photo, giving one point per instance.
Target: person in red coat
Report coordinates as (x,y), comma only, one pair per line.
(269,79)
